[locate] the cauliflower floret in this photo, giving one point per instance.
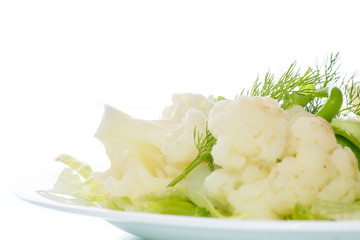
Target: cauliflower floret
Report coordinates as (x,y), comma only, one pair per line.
(146,155)
(248,130)
(183,102)
(271,159)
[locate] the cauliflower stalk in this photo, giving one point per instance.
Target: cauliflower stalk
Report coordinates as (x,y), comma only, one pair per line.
(270,159)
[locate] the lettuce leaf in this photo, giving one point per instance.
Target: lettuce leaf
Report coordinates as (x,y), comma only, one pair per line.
(194,184)
(302,213)
(75,184)
(336,210)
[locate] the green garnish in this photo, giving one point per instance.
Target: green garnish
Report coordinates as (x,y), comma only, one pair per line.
(336,210)
(204,146)
(291,83)
(302,213)
(310,88)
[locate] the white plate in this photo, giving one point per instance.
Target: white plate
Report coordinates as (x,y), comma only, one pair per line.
(169,227)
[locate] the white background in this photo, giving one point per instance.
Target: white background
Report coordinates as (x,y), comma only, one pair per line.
(60,61)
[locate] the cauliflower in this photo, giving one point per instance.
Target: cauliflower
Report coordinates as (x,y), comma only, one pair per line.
(270,159)
(146,155)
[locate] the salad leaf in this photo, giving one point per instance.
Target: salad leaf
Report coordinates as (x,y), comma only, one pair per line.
(302,213)
(82,168)
(336,210)
(75,184)
(171,201)
(347,132)
(194,185)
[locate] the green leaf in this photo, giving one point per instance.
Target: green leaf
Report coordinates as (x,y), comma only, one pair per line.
(176,208)
(194,185)
(172,200)
(348,128)
(302,213)
(336,210)
(71,188)
(80,167)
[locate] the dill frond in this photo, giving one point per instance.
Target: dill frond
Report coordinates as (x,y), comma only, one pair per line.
(307,89)
(204,145)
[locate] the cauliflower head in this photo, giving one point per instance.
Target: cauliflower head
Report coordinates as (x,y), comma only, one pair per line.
(146,155)
(271,159)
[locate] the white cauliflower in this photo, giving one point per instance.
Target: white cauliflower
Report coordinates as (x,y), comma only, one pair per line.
(146,155)
(271,159)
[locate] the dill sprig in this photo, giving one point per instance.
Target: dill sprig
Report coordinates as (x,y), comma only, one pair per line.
(329,75)
(290,82)
(351,91)
(204,144)
(309,89)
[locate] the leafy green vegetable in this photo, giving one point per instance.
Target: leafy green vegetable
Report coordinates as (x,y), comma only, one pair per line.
(171,201)
(120,203)
(302,213)
(348,128)
(77,186)
(195,191)
(347,132)
(216,99)
(82,168)
(72,188)
(335,210)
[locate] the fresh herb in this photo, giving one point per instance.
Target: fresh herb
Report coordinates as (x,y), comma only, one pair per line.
(216,99)
(291,83)
(204,144)
(352,96)
(311,88)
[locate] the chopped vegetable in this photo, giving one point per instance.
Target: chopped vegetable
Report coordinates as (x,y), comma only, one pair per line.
(332,106)
(336,210)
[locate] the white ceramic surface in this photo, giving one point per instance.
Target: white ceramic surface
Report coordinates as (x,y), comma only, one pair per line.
(169,227)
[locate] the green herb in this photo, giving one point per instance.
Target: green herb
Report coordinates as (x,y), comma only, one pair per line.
(311,88)
(216,99)
(352,96)
(204,144)
(292,82)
